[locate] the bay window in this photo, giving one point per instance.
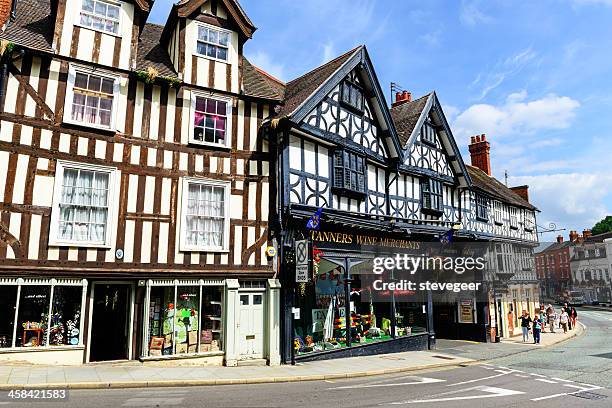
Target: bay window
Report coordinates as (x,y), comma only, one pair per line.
(213,43)
(211,119)
(91,98)
(205,217)
(100,15)
(82,204)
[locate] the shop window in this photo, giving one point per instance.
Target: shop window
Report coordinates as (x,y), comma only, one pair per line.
(186,322)
(349,173)
(66,316)
(205,214)
(8,302)
(161,314)
(410,317)
(431,196)
(211,336)
(33,316)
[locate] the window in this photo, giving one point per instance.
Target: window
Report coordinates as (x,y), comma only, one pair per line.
(482,208)
(211,121)
(100,15)
(513,218)
(91,98)
(205,215)
(497,207)
(349,172)
(82,205)
(428,133)
(351,95)
(431,195)
(213,43)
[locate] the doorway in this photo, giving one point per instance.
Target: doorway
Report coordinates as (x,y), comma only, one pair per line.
(251,329)
(110,321)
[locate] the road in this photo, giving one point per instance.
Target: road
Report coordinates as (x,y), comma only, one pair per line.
(576,373)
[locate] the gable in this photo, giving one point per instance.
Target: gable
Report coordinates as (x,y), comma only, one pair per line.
(427,150)
(343,123)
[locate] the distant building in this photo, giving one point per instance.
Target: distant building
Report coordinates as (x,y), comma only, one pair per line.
(590,268)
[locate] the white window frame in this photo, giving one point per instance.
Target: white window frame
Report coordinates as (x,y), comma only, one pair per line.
(228,121)
(497,212)
(184,202)
(55,212)
(72,70)
(212,27)
(117,3)
(514,221)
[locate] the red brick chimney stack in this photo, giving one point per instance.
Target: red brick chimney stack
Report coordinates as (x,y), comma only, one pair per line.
(559,239)
(402,97)
(586,233)
(5,11)
(479,151)
(573,236)
(522,191)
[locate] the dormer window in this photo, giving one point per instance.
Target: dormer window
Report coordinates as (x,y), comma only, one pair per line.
(351,95)
(211,119)
(100,15)
(213,43)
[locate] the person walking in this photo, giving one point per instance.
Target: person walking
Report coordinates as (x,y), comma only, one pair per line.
(564,320)
(543,317)
(537,329)
(525,324)
(573,316)
(550,314)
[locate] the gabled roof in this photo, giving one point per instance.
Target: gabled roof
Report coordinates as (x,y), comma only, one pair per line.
(33,25)
(185,8)
(151,54)
(301,88)
(496,189)
(258,83)
(406,115)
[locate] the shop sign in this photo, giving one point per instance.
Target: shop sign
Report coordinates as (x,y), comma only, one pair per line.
(466,311)
(301,261)
(353,240)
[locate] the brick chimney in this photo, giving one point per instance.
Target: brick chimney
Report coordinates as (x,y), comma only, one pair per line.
(479,151)
(573,236)
(586,233)
(559,239)
(522,191)
(5,11)
(400,97)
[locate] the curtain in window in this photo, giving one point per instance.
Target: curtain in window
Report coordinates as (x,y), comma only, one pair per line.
(205,216)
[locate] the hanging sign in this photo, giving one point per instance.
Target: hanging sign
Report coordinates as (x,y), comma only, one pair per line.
(301,261)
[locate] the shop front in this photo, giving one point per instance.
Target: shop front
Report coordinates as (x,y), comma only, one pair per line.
(338,310)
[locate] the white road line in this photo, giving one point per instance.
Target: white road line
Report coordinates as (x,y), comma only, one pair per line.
(491,392)
(546,381)
(537,375)
(477,379)
(424,380)
(561,379)
(580,389)
(548,397)
(521,375)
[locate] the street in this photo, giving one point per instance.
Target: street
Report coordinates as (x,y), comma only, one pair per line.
(574,373)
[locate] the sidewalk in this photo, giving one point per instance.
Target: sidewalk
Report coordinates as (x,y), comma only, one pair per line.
(137,375)
(547,338)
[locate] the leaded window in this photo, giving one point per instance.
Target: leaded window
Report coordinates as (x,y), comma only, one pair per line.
(213,43)
(351,95)
(100,15)
(431,195)
(349,172)
(513,218)
(497,208)
(482,208)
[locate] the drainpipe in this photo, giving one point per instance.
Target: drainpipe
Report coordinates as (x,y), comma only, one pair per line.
(3,76)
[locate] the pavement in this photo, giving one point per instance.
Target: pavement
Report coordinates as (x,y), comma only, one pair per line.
(96,376)
(547,338)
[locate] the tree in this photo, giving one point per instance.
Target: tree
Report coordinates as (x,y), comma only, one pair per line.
(602,226)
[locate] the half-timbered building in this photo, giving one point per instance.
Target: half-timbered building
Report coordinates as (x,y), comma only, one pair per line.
(374,180)
(134,185)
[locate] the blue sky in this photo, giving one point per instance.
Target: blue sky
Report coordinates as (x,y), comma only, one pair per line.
(534,76)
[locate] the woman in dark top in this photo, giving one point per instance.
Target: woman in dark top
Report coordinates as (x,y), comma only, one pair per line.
(525,324)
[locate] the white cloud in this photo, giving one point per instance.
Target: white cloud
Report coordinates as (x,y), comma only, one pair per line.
(262,59)
(329,52)
(432,38)
(471,15)
(517,116)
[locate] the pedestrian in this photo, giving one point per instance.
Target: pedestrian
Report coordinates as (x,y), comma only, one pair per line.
(550,313)
(525,324)
(537,328)
(564,320)
(573,316)
(543,317)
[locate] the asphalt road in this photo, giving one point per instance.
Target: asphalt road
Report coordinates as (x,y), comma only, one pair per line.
(576,373)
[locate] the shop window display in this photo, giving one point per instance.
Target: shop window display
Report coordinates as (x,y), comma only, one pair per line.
(370,314)
(65,316)
(211,335)
(8,302)
(186,322)
(161,315)
(33,316)
(411,318)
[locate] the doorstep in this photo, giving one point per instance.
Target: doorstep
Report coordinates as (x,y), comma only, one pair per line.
(253,362)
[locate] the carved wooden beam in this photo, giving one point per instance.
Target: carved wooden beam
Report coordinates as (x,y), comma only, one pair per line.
(11,240)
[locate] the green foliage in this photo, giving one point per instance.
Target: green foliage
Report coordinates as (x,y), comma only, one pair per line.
(602,226)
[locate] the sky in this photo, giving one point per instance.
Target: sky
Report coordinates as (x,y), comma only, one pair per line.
(534,76)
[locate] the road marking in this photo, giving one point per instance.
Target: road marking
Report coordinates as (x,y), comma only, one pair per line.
(546,381)
(537,375)
(478,379)
(588,387)
(548,397)
(521,375)
(491,392)
(421,380)
(561,379)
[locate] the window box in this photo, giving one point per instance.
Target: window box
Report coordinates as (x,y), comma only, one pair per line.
(100,15)
(91,98)
(83,205)
(431,197)
(205,215)
(211,120)
(213,43)
(349,174)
